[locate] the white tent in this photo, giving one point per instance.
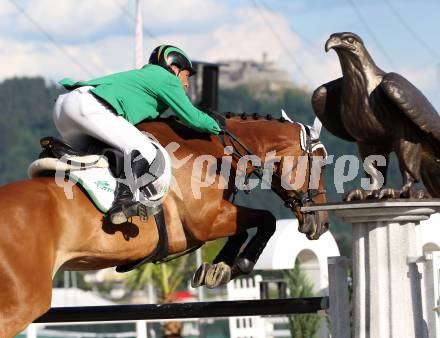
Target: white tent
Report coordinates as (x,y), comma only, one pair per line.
(62,297)
(288,244)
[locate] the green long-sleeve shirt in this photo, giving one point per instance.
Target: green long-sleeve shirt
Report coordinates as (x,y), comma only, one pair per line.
(146,93)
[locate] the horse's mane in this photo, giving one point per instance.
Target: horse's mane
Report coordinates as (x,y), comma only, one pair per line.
(255,116)
(228,115)
(188,133)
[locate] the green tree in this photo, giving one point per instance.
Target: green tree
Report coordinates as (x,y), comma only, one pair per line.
(303,325)
(26,116)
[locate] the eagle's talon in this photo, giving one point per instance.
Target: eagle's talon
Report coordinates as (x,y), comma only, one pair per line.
(373,194)
(355,195)
(413,194)
(405,192)
(388,193)
(378,194)
(421,194)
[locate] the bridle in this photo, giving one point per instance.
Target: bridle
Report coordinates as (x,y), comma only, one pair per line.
(299,198)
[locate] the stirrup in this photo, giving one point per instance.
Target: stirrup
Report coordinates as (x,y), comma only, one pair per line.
(123,213)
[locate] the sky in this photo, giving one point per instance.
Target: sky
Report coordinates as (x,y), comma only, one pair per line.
(83,39)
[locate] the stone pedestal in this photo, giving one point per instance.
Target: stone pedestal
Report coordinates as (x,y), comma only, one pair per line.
(386,281)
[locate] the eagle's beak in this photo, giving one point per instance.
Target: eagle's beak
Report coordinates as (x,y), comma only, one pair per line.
(332,42)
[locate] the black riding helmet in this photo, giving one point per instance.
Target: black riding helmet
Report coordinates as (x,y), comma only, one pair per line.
(166,55)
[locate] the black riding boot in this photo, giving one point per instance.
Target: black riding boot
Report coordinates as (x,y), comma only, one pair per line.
(124,206)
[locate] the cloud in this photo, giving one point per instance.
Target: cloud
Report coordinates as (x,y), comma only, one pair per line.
(248,37)
(427,80)
(245,35)
(164,17)
(45,59)
(99,35)
(6,8)
(67,19)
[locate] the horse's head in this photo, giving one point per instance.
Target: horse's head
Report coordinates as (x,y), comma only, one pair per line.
(293,157)
(306,171)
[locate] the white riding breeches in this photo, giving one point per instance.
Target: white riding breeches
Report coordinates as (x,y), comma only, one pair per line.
(79,115)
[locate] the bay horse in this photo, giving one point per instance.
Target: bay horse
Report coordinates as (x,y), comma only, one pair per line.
(42,231)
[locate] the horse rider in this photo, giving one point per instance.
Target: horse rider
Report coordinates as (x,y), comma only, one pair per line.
(109,107)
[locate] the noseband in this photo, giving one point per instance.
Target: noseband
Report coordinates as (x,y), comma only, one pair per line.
(299,198)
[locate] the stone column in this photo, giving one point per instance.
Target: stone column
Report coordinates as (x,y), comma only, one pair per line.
(386,282)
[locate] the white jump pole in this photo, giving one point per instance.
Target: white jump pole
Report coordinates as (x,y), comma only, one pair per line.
(31,331)
(141,329)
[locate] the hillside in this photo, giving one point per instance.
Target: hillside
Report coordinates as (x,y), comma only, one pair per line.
(26,116)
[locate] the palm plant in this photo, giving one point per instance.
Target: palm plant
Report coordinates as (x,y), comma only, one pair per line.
(166,279)
(301,325)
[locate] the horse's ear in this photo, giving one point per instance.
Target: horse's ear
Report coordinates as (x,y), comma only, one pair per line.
(285,116)
(316,129)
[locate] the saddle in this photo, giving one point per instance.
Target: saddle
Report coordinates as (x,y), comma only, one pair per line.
(95,171)
(55,148)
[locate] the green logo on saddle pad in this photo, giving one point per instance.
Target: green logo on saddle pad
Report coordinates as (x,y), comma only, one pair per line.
(104,185)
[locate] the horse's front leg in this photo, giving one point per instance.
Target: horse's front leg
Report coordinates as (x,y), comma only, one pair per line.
(223,261)
(226,265)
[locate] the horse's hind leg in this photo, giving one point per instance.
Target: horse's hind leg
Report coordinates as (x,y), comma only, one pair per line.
(22,299)
(24,296)
(25,280)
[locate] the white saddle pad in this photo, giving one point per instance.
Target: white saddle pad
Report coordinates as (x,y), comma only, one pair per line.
(96,178)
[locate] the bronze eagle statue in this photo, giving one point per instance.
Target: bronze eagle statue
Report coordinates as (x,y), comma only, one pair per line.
(382,112)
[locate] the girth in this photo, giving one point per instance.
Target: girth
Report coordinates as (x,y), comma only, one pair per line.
(161,250)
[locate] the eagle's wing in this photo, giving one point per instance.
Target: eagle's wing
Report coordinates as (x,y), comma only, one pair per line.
(412,103)
(326,102)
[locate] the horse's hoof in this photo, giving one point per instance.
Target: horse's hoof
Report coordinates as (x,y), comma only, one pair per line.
(198,278)
(218,274)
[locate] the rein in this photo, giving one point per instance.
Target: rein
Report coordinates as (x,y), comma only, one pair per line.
(300,198)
